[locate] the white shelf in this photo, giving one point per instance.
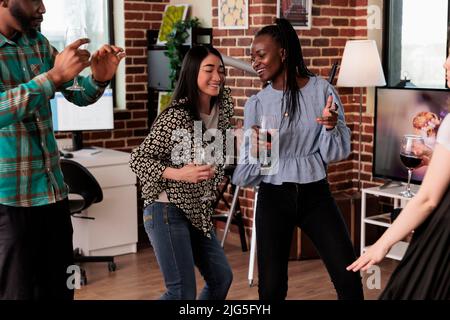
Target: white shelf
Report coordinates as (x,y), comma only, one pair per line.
(397,251)
(391,192)
(383,220)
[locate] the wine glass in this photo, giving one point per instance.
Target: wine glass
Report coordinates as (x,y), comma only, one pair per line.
(410,160)
(268,124)
(73,34)
(205,159)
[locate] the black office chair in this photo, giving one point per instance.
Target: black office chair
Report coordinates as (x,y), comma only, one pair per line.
(81,182)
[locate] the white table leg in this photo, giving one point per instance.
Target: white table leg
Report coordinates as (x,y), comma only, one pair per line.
(230,215)
(363,224)
(251,264)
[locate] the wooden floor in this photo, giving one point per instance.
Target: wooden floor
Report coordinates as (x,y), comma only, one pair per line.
(138,278)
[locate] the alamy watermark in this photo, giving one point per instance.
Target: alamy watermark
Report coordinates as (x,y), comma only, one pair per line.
(373,282)
(74,278)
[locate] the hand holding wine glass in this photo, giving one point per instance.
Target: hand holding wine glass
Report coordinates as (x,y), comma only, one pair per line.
(268,124)
(191,172)
(424,152)
(69,63)
(409,158)
(74,34)
(206,159)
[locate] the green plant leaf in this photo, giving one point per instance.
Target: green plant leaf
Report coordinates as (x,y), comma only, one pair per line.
(177,36)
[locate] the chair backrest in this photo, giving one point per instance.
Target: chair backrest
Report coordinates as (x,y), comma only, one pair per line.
(81,182)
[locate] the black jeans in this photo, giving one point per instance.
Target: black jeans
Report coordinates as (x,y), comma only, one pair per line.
(35,252)
(311,207)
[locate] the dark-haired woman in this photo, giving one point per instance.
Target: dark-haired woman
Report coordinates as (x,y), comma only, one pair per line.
(297,193)
(176,218)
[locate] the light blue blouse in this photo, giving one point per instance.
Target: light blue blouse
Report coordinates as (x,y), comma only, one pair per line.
(305,147)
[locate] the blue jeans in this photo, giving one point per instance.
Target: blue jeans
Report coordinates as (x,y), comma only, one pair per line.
(179,247)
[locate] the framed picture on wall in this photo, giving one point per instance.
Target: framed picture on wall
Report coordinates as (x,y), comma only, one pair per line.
(172,14)
(233,14)
(164,98)
(298,12)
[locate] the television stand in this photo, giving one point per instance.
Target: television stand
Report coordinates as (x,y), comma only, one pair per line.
(390,183)
(77,142)
(383,219)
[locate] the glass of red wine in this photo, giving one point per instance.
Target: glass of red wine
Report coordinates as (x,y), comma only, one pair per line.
(268,124)
(410,160)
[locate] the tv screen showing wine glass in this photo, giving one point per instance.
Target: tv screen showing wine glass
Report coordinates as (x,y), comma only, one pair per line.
(67,116)
(401,111)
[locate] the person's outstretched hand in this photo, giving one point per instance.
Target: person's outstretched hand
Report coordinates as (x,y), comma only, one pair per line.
(196,173)
(105,61)
(373,255)
(69,63)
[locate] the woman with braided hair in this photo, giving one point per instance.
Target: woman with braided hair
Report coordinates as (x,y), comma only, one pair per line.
(297,194)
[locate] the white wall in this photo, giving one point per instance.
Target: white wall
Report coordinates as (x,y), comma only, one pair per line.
(119,39)
(202,9)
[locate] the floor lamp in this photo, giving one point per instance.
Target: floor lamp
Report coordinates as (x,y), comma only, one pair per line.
(361,67)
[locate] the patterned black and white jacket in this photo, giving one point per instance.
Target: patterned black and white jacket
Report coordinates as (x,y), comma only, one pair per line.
(155,154)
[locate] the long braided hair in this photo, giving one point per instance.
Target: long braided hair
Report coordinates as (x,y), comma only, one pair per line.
(284,34)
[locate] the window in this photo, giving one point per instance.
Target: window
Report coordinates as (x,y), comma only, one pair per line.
(416,42)
(96,16)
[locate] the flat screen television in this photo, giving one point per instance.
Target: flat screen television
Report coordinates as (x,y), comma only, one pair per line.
(400,111)
(67,116)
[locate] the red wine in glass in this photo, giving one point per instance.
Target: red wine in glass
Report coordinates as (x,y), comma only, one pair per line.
(268,122)
(410,161)
(269,137)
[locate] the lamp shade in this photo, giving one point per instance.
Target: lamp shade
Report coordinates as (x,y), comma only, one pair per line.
(361,65)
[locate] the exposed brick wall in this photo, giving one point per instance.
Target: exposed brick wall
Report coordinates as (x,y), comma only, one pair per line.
(139,17)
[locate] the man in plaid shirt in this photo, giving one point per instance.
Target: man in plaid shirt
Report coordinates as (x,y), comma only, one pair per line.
(35,226)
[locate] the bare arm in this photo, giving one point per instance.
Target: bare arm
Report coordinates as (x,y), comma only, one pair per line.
(435,183)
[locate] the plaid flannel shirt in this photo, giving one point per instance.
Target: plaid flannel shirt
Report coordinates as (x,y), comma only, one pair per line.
(30,173)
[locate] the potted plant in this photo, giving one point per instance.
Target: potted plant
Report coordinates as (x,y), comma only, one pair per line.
(175,42)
